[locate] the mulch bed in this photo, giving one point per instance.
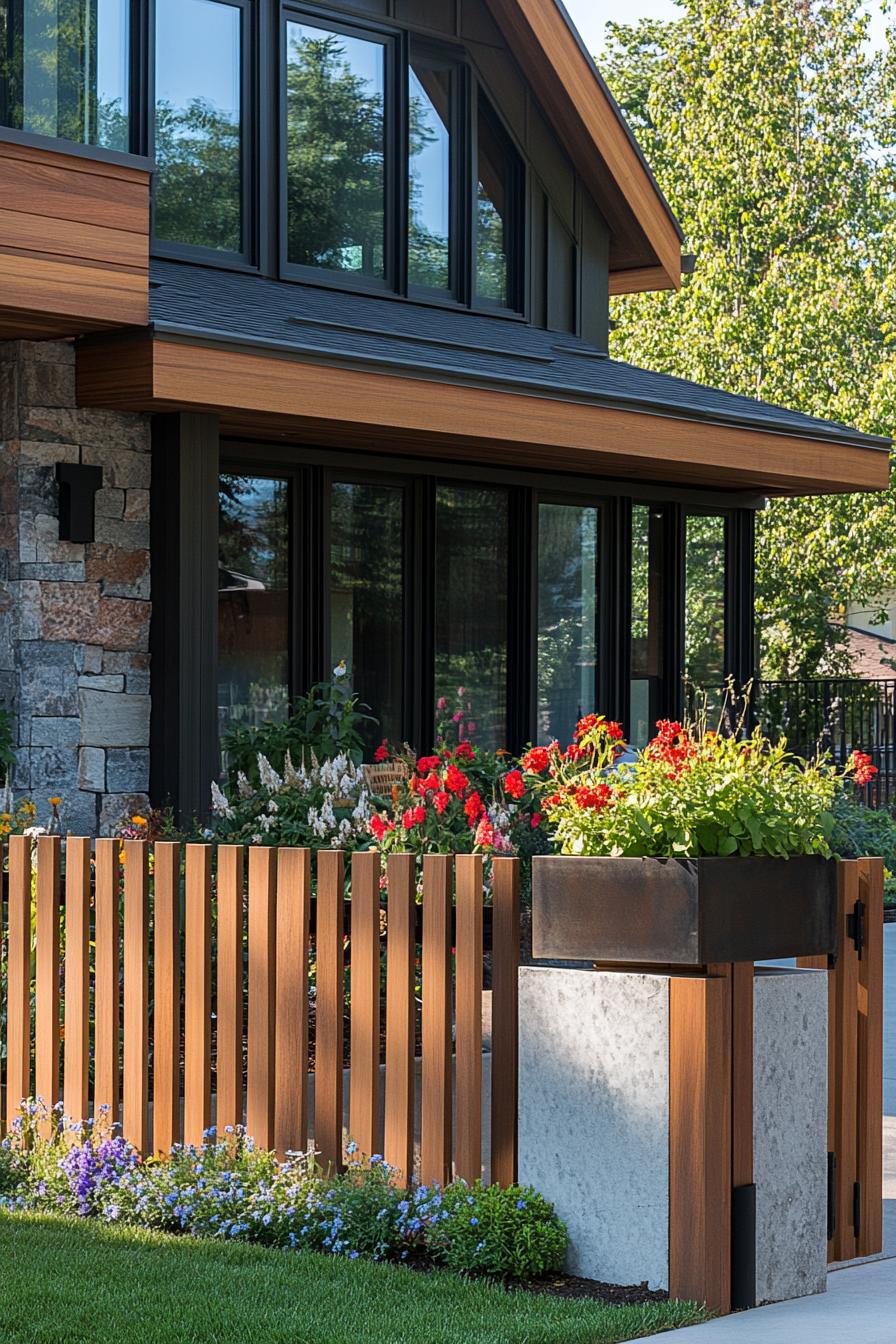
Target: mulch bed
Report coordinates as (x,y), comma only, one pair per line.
(563,1285)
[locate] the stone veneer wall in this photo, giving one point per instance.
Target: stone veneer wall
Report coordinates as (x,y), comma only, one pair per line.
(74,619)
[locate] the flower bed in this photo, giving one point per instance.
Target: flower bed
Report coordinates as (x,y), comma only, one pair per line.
(231,1190)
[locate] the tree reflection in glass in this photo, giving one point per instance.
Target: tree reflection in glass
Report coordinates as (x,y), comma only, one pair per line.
(471,607)
(429,188)
(567,618)
(704,629)
(64,70)
(335,150)
(253,600)
(198,137)
(367,598)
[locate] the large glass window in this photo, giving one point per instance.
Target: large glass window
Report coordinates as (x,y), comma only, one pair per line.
(253,600)
(647,617)
(64,68)
(198,128)
(367,599)
(429,188)
(471,537)
(335,149)
(704,625)
(567,618)
(499,177)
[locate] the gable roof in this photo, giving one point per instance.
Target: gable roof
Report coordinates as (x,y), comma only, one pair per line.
(645,237)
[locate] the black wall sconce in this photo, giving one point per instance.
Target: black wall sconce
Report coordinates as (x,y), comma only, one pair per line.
(77,498)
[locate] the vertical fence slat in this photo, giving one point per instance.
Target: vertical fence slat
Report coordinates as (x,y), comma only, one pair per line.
(262,994)
(106,987)
(329,1007)
(229,1052)
(136,994)
(846,1046)
(504,1063)
(46,989)
(468,1143)
(198,994)
(77,980)
(700,1140)
(869,1164)
(18,984)
(398,1142)
(364,1102)
(291,1013)
(435,1099)
(166,1126)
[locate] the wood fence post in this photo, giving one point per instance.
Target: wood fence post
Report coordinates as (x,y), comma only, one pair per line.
(364,1100)
(46,989)
(505,1027)
(435,1096)
(75,1071)
(198,995)
(135,1126)
(231,1015)
(167,968)
(18,985)
(398,1142)
(291,1020)
(107,983)
(468,1149)
(330,1007)
(262,994)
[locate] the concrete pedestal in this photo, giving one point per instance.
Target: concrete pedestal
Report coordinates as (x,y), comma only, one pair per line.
(594,1130)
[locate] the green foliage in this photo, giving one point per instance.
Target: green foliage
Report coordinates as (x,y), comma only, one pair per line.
(501,1232)
(328,721)
(861,831)
(690,793)
(7,741)
(770,129)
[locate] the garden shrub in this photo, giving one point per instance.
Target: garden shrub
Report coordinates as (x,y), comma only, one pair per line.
(502,1232)
(229,1189)
(860,831)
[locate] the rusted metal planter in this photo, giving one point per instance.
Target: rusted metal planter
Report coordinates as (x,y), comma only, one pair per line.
(682,912)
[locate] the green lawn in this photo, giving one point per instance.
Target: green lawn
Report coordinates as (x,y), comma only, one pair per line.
(64,1282)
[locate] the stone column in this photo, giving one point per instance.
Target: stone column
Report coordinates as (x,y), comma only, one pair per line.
(74,619)
(594,1132)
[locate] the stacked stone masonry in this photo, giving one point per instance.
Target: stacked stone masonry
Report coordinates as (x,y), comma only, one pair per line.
(74,619)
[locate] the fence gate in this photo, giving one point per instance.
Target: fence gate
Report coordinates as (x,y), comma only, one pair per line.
(855,1063)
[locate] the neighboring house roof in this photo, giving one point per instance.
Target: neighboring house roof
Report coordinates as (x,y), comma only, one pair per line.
(333,326)
(873,656)
(645,244)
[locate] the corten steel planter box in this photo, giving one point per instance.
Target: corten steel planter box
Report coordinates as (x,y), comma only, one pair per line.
(682,912)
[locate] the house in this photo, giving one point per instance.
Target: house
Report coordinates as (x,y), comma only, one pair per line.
(305,311)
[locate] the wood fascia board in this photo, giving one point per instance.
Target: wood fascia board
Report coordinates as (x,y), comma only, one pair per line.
(639,280)
(564,80)
(164,374)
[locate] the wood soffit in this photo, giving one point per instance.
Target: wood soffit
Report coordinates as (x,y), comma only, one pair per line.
(265,395)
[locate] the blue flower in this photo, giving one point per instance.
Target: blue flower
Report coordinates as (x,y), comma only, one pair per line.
(521,1203)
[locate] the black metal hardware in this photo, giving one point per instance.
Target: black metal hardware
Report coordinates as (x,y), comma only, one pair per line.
(77,491)
(857,1208)
(832,1195)
(855,926)
(743,1247)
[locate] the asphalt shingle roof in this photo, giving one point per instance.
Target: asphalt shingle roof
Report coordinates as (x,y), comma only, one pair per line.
(443,343)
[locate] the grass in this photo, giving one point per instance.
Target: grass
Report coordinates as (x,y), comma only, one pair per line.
(68,1282)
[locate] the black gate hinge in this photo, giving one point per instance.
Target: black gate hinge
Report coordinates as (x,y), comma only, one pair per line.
(855,926)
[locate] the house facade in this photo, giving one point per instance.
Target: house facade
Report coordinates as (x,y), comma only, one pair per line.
(305,320)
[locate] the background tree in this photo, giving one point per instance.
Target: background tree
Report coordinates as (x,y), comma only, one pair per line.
(766,124)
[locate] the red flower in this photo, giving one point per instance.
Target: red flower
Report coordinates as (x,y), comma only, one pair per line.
(614,731)
(536,821)
(514,784)
(473,808)
(465,751)
(585,725)
(414,816)
(428,763)
(596,798)
(441,801)
(574,752)
(862,770)
(486,835)
(455,780)
(380,827)
(428,785)
(382,752)
(536,760)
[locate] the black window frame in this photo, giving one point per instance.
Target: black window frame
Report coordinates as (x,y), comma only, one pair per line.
(483,108)
(246,258)
(394,43)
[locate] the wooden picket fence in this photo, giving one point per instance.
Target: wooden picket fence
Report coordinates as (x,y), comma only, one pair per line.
(131,958)
(855,1063)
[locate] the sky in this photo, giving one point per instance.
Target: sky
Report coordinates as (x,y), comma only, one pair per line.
(591,15)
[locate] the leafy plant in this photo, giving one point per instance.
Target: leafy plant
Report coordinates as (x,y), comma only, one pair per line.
(328,721)
(504,1232)
(691,792)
